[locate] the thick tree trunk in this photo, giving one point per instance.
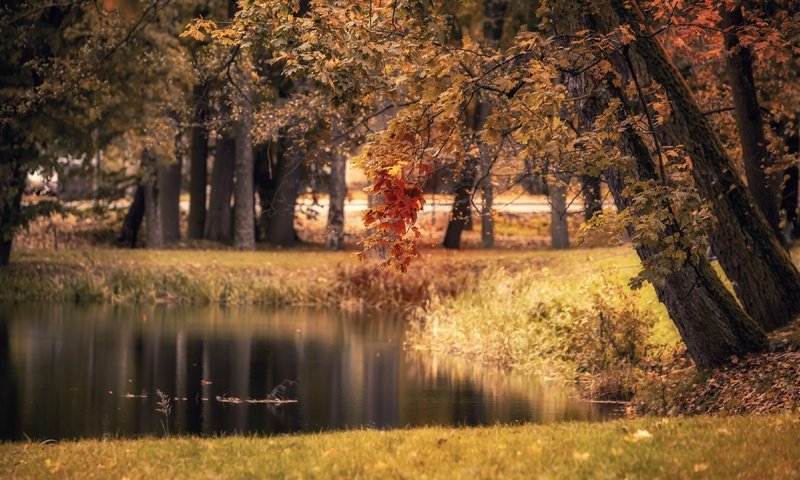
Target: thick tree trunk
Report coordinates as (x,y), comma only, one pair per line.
(559,225)
(763,185)
(763,276)
(710,322)
(169,193)
(337,189)
(198,170)
(133,219)
(218,220)
(592,196)
(244,235)
(291,172)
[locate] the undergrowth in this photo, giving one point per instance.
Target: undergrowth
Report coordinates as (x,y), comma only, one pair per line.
(590,329)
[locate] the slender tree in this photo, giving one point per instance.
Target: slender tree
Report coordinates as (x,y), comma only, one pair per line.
(244,235)
(337,189)
(763,183)
(198,169)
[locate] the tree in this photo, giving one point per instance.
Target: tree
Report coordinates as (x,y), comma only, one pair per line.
(169,196)
(218,220)
(762,181)
(337,189)
(244,235)
(198,169)
(763,276)
(710,322)
(133,219)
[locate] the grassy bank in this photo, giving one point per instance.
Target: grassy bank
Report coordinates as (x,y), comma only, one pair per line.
(277,277)
(700,447)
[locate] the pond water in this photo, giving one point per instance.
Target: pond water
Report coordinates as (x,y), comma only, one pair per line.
(93,371)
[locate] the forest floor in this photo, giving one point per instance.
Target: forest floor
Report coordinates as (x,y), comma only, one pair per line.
(700,447)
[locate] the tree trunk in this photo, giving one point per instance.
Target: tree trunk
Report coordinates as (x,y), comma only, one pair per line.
(763,276)
(133,219)
(559,224)
(265,173)
(461,212)
(763,185)
(10,207)
(337,189)
(244,235)
(5,251)
(710,322)
(198,170)
(789,202)
(592,196)
(169,193)
(291,172)
(152,207)
(218,220)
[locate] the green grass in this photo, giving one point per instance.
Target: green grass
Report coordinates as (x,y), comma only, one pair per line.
(700,447)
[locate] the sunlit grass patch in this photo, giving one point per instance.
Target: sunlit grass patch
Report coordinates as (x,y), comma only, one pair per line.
(700,447)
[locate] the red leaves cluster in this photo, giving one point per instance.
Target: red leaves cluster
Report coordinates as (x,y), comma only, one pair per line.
(392,221)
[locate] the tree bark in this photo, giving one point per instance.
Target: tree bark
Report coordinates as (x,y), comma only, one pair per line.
(763,276)
(244,235)
(337,189)
(169,193)
(198,170)
(756,158)
(218,220)
(291,172)
(133,219)
(559,224)
(152,207)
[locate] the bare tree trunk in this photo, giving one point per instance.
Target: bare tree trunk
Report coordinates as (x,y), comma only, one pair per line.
(763,276)
(337,189)
(169,192)
(133,219)
(559,225)
(198,171)
(244,235)
(218,220)
(291,172)
(763,185)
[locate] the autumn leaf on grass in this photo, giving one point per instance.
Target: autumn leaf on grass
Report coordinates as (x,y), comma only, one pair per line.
(641,435)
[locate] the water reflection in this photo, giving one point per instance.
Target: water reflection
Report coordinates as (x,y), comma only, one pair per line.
(71,371)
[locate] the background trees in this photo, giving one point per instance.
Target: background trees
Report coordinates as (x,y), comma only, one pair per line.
(275,94)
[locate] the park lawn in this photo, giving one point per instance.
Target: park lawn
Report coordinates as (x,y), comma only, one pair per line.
(698,447)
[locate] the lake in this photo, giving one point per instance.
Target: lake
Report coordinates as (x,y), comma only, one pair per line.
(93,371)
